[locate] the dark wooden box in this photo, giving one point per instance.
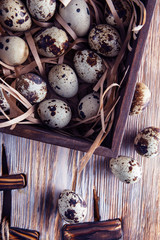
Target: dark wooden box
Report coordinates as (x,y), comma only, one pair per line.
(112,143)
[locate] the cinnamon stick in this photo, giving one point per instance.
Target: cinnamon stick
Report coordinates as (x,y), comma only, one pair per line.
(9,182)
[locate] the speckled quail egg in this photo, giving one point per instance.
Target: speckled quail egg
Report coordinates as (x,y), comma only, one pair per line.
(89,65)
(88,106)
(72,207)
(105,40)
(32,87)
(77,15)
(63,80)
(41,10)
(52,42)
(14,15)
(3,102)
(54,113)
(126,169)
(147,142)
(124,11)
(141,99)
(13,50)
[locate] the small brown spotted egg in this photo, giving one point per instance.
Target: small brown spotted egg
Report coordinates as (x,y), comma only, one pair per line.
(3,102)
(32,87)
(41,10)
(88,106)
(54,113)
(105,40)
(124,11)
(126,169)
(77,15)
(72,207)
(13,50)
(141,99)
(14,15)
(63,80)
(52,42)
(146,142)
(89,65)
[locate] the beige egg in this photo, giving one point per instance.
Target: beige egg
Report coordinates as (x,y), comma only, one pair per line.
(105,40)
(32,87)
(141,99)
(41,10)
(63,80)
(3,102)
(52,42)
(77,16)
(13,50)
(14,15)
(89,65)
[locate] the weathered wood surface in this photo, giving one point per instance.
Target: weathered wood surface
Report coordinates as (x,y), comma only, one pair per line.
(50,169)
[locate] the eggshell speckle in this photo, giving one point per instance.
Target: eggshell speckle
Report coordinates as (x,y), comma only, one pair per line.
(147,142)
(88,106)
(126,169)
(63,80)
(54,113)
(3,102)
(41,10)
(141,99)
(72,207)
(105,40)
(89,65)
(8,50)
(77,15)
(32,87)
(14,15)
(52,42)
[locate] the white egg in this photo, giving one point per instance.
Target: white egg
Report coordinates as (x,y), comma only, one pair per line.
(105,40)
(88,106)
(126,169)
(13,50)
(89,65)
(14,15)
(77,16)
(54,113)
(41,10)
(63,80)
(72,207)
(32,87)
(52,42)
(3,102)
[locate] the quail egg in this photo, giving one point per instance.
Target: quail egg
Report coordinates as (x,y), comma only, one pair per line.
(126,169)
(72,207)
(88,106)
(63,80)
(105,40)
(3,102)
(52,42)
(32,87)
(14,15)
(89,65)
(147,142)
(54,113)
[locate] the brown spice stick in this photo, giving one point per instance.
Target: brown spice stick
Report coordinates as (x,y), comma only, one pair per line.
(9,182)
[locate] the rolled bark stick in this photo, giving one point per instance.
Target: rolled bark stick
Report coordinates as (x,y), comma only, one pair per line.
(9,182)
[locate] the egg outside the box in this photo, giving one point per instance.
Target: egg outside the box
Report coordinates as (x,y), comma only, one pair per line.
(51,42)
(72,207)
(3,102)
(89,65)
(147,142)
(32,87)
(105,40)
(54,113)
(77,15)
(41,10)
(14,15)
(63,80)
(13,50)
(126,169)
(124,11)
(89,105)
